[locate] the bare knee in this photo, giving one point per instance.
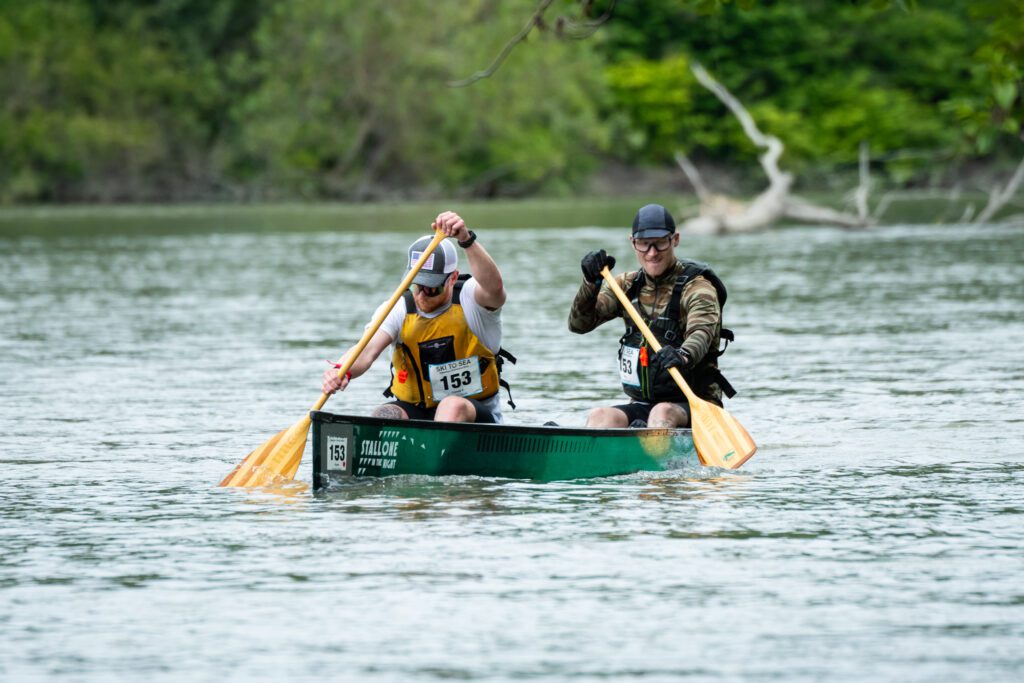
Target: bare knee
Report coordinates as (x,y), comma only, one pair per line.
(389,411)
(607,417)
(667,416)
(455,409)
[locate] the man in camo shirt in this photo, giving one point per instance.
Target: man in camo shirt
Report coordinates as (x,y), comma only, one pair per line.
(680,300)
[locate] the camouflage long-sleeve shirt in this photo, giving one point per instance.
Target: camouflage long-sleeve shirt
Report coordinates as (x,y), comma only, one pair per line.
(700,316)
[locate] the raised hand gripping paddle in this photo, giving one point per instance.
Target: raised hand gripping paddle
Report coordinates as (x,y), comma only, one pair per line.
(720,440)
(281,454)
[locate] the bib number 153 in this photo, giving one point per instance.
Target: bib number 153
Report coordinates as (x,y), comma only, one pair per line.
(628,362)
(458,378)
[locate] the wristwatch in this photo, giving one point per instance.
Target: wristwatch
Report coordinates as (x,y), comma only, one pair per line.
(468,243)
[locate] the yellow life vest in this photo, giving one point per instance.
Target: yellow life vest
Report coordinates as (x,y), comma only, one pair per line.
(440,357)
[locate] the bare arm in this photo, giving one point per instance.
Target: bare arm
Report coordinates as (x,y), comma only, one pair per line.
(490,291)
(378,342)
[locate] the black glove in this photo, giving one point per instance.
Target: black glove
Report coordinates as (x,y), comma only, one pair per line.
(592,264)
(671,357)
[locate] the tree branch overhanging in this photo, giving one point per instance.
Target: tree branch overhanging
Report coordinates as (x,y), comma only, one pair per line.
(999,196)
(564,27)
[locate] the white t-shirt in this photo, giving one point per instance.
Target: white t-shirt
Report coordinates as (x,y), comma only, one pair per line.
(485,324)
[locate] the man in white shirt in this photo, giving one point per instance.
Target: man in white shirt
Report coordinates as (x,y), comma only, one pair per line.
(445,336)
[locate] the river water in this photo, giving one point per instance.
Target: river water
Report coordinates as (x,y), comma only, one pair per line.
(876,535)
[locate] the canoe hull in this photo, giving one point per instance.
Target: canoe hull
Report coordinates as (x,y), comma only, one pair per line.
(347,446)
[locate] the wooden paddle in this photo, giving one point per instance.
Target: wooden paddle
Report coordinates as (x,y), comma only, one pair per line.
(280,456)
(720,440)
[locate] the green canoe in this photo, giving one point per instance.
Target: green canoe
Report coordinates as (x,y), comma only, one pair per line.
(349,445)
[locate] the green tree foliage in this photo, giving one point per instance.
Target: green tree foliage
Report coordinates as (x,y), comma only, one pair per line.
(161,99)
(353,102)
(81,105)
(991,113)
(822,76)
(140,100)
(113,100)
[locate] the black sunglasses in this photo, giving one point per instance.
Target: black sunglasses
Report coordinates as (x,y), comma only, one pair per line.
(427,291)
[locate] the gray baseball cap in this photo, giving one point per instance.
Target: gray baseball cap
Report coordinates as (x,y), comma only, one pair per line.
(653,221)
(439,265)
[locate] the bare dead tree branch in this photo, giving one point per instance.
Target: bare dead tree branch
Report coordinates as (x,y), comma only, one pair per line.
(774,146)
(693,175)
(565,27)
(860,195)
(890,198)
(535,20)
(799,208)
(719,214)
(581,30)
(1000,196)
(1014,219)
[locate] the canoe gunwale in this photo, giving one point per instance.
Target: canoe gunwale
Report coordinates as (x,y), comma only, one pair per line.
(325,417)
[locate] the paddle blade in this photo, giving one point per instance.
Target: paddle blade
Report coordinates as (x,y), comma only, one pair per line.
(277,458)
(720,440)
(243,469)
(280,457)
(292,468)
(283,459)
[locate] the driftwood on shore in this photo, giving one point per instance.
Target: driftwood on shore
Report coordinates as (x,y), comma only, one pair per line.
(1000,196)
(720,214)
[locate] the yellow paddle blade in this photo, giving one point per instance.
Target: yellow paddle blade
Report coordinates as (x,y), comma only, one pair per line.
(720,440)
(243,469)
(292,467)
(280,456)
(282,460)
(718,437)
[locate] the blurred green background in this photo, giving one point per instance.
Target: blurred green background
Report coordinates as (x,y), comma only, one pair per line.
(251,100)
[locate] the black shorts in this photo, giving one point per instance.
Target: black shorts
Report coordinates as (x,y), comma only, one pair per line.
(483,414)
(641,410)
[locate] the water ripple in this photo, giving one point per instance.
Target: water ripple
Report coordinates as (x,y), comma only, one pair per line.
(876,535)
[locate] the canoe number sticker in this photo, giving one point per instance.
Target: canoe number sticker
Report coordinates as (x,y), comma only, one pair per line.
(628,362)
(337,454)
(458,378)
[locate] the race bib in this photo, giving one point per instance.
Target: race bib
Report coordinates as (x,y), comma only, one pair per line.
(628,362)
(458,378)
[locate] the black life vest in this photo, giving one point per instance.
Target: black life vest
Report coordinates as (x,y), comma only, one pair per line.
(654,383)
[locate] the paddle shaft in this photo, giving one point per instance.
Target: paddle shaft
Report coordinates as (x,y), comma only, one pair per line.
(379,320)
(718,437)
(652,341)
(282,454)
